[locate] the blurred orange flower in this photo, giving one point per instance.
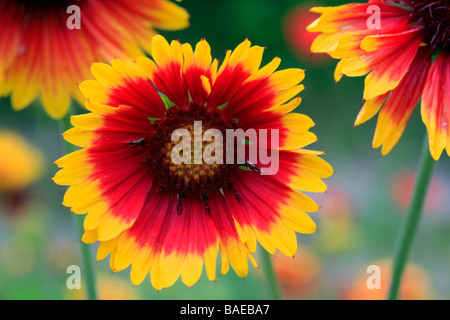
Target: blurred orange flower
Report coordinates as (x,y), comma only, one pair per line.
(337,229)
(295,34)
(298,276)
(21,164)
(402,188)
(415,284)
(110,287)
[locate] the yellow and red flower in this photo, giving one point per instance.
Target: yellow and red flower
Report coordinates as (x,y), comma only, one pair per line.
(169,220)
(397,57)
(41,57)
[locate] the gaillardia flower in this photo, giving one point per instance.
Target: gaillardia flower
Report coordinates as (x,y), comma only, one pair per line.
(42,55)
(394,43)
(167,219)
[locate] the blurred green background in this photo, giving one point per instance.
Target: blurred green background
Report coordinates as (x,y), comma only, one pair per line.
(357,224)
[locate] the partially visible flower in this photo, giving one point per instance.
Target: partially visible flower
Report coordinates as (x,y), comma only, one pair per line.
(167,219)
(402,188)
(397,57)
(295,34)
(41,57)
(21,164)
(415,284)
(298,276)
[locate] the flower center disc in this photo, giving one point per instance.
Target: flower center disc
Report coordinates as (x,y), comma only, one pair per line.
(192,178)
(434,17)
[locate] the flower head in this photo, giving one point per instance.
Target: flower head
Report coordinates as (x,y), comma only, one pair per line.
(167,218)
(394,43)
(40,56)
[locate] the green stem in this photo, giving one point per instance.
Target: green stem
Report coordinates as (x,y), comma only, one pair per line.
(86,257)
(411,221)
(270,275)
